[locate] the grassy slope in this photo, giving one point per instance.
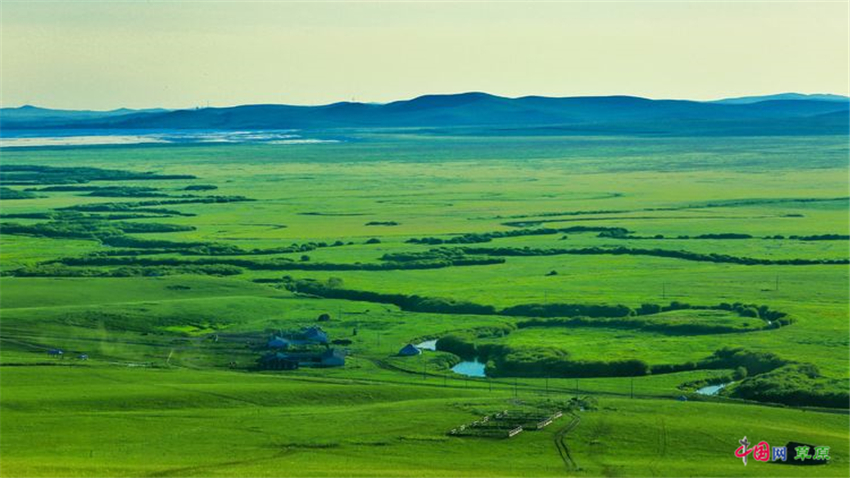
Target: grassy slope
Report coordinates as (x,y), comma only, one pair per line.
(197,418)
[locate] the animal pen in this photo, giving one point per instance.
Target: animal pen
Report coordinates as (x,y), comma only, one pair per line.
(507,424)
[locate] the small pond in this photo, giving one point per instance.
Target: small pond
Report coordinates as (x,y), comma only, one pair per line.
(427,345)
(469,368)
(712,389)
(472,368)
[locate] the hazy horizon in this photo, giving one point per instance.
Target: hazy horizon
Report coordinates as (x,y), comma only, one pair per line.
(153,107)
(103,56)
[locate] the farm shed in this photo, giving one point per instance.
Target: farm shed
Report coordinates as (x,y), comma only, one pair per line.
(409,350)
(278,343)
(315,334)
(277,361)
(333,358)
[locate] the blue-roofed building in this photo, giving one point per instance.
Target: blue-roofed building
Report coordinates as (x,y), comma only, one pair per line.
(316,335)
(278,343)
(409,350)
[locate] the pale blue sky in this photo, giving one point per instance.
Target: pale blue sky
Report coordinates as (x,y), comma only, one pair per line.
(101,55)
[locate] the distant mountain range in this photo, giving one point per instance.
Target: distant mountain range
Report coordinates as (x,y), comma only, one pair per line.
(743,100)
(28,113)
(786,113)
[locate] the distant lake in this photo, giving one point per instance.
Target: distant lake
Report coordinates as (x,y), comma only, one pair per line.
(28,138)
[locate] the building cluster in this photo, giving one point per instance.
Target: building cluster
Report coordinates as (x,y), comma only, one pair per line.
(308,347)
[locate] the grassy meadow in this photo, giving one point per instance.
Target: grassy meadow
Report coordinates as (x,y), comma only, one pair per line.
(172,290)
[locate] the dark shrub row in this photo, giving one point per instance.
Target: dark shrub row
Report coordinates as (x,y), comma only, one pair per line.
(822,237)
(276,264)
(685,255)
(473,238)
(730,358)
(412,303)
(576,314)
(24,174)
(56,270)
(85,228)
(729,235)
(451,256)
(9,193)
(126,191)
(518,364)
(755,362)
(639,323)
(125,206)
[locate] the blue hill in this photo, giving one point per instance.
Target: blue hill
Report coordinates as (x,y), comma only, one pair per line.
(481,110)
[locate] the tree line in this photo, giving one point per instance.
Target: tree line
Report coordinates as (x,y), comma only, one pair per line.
(673,254)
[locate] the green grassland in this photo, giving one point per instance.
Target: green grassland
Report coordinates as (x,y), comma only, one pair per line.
(174,321)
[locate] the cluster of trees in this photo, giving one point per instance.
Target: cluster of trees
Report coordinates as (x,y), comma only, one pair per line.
(26,174)
(457,345)
(200,187)
(755,362)
(685,255)
(473,238)
(524,365)
(796,385)
(506,361)
(382,223)
(763,312)
(9,193)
